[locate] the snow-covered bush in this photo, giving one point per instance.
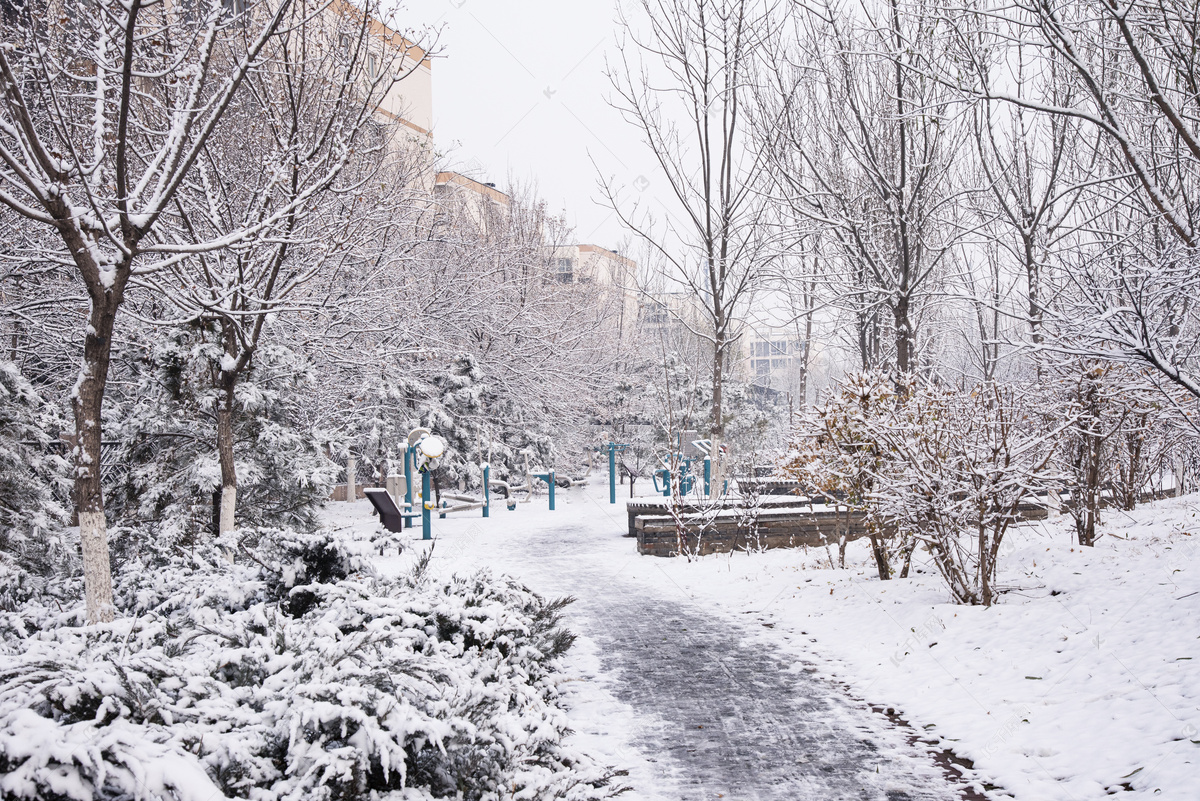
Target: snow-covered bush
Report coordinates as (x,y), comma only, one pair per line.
(32,483)
(835,451)
(933,467)
(293,673)
(961,466)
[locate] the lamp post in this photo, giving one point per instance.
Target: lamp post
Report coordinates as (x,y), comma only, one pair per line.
(613,447)
(426,505)
(426,449)
(408,485)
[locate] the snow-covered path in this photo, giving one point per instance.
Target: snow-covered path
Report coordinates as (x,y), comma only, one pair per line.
(724,713)
(695,701)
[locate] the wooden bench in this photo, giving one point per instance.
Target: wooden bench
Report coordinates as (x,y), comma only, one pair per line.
(780,526)
(656,506)
(730,530)
(389,514)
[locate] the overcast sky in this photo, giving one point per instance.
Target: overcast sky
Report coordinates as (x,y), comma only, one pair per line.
(520,94)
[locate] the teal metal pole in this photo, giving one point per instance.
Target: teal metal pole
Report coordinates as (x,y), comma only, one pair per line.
(707,477)
(425,504)
(612,472)
(408,482)
(551,474)
(487,497)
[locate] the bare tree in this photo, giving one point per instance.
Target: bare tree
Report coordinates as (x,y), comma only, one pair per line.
(1134,82)
(318,147)
(684,81)
(107,110)
(864,148)
(1034,167)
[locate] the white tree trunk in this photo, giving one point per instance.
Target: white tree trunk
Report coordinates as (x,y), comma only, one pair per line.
(1055,504)
(228,505)
(718,467)
(97,578)
(351,464)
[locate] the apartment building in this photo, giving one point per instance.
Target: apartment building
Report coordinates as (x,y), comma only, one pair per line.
(613,273)
(775,359)
(677,318)
(480,203)
(387,59)
(409,101)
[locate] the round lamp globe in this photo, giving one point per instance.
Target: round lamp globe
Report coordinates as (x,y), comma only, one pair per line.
(432,446)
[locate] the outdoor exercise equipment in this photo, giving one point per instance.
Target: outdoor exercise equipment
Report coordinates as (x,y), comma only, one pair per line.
(487,495)
(389,514)
(548,477)
(422,454)
(465,503)
(426,449)
(662,476)
(613,448)
(705,447)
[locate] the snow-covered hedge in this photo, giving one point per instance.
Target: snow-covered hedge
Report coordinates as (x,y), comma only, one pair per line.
(293,673)
(32,485)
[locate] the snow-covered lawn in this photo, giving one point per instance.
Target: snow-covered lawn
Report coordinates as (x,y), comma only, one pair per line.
(1084,681)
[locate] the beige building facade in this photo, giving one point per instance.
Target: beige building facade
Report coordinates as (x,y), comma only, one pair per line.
(409,99)
(608,270)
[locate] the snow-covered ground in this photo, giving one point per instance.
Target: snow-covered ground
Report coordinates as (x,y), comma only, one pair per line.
(1084,681)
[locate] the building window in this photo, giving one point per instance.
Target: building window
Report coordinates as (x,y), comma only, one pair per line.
(234,8)
(655,314)
(565,268)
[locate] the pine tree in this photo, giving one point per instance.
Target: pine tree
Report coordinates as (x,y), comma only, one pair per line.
(33,483)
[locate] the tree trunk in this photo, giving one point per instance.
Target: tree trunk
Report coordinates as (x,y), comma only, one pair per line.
(879,551)
(985,572)
(903,336)
(225,454)
(717,436)
(1033,277)
(806,346)
(87,402)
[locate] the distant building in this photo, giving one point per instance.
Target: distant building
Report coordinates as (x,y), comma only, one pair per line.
(676,321)
(409,101)
(613,273)
(482,204)
(588,264)
(772,358)
(448,183)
